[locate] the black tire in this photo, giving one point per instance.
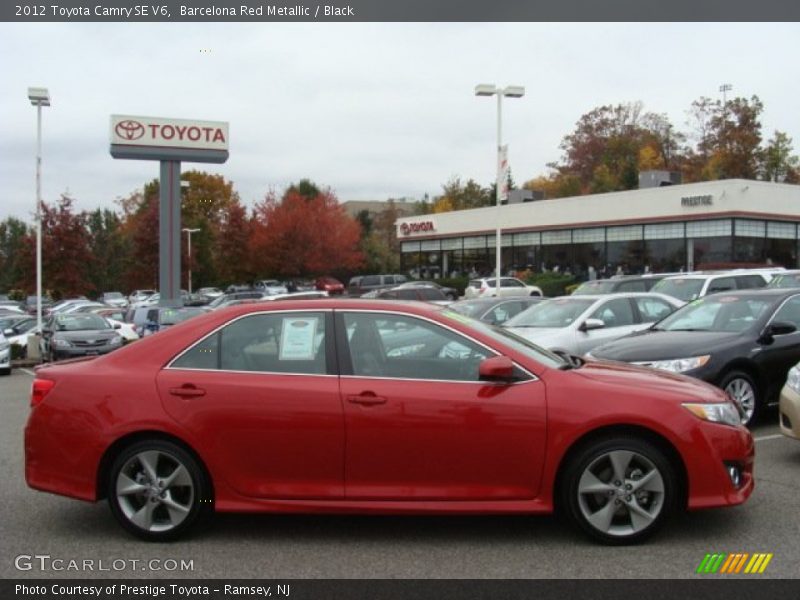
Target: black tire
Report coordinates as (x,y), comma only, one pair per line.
(621,522)
(745,392)
(170,509)
(5,372)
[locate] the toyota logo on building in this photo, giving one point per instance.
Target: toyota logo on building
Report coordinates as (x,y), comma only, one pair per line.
(129,130)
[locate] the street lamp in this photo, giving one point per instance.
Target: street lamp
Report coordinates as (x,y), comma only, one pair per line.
(189,239)
(510,91)
(39,97)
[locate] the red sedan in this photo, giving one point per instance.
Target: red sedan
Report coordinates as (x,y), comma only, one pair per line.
(334,287)
(377,407)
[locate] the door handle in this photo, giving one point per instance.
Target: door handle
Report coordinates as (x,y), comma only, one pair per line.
(187,391)
(367,399)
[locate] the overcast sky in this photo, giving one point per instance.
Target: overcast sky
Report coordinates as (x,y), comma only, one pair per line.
(371,110)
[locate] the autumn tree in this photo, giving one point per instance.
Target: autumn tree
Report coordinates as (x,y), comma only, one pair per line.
(140,214)
(379,243)
(66,257)
(299,235)
(232,256)
(461,196)
(109,248)
(777,161)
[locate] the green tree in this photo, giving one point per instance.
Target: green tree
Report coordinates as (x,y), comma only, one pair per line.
(13,241)
(777,161)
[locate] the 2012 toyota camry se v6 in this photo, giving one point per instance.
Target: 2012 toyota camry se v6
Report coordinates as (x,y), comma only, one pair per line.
(377,407)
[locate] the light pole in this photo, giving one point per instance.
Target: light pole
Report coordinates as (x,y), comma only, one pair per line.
(189,239)
(510,91)
(39,97)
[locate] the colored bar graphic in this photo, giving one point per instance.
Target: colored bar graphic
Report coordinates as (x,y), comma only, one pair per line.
(720,562)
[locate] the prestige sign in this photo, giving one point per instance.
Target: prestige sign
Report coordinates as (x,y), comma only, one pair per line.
(168,133)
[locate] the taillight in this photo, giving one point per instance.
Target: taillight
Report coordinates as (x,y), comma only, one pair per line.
(40,389)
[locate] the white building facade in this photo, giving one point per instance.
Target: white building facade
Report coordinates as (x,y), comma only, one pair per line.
(715,224)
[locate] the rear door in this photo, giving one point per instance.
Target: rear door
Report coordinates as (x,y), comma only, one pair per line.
(619,320)
(261,399)
(420,424)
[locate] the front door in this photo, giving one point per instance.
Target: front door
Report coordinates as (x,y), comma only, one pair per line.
(419,423)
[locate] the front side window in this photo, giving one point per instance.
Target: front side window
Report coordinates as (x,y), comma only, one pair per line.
(404,347)
(789,312)
(559,312)
(615,313)
(511,283)
(265,343)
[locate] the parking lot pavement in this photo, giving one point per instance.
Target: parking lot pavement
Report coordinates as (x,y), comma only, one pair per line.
(35,523)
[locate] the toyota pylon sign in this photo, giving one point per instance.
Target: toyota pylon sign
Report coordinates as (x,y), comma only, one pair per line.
(157,132)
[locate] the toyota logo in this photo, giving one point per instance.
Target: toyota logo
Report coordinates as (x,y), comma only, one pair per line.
(129,130)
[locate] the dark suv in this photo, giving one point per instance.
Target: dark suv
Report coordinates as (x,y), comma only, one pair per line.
(368,283)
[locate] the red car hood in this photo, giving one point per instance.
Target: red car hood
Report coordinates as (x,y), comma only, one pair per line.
(622,375)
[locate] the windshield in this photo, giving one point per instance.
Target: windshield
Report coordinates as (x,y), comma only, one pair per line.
(559,312)
(791,280)
(681,288)
(594,287)
(112,295)
(521,345)
(720,313)
(80,322)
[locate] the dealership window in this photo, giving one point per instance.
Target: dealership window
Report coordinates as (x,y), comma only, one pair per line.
(556,251)
(526,250)
(476,256)
(709,243)
(452,257)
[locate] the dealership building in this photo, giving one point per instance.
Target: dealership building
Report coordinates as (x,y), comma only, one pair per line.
(657,229)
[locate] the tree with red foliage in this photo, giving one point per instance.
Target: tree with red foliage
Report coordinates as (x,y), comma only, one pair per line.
(141,230)
(303,235)
(66,256)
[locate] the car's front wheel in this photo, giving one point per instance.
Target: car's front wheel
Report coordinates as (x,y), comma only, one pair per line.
(157,490)
(744,392)
(619,490)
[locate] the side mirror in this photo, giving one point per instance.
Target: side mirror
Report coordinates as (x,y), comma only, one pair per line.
(590,324)
(776,328)
(497,368)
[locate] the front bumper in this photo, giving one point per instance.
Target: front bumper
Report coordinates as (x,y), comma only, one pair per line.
(715,449)
(789,409)
(5,359)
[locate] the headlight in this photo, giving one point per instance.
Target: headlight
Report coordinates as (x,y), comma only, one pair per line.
(722,412)
(679,365)
(4,345)
(115,341)
(793,379)
(59,343)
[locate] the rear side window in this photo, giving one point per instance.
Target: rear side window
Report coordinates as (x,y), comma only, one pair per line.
(406,294)
(747,282)
(615,313)
(652,309)
(721,284)
(431,294)
(511,283)
(632,286)
(267,343)
(370,280)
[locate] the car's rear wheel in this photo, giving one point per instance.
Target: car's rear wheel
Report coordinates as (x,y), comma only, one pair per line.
(619,490)
(744,392)
(157,490)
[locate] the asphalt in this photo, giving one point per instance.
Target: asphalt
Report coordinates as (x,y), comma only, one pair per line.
(270,546)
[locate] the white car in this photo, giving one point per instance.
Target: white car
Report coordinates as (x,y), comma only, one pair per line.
(509,286)
(126,330)
(271,287)
(696,285)
(5,355)
(115,299)
(139,295)
(151,300)
(576,324)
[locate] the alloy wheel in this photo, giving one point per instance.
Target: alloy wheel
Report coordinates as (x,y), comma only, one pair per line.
(742,391)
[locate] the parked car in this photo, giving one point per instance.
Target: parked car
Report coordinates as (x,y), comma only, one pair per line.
(17,334)
(789,404)
(30,304)
(333,286)
(139,295)
(114,299)
(151,300)
(625,283)
(161,318)
(116,317)
(422,293)
(238,287)
(449,292)
(465,416)
(368,283)
(5,355)
(742,342)
(509,286)
(9,320)
(211,293)
(696,285)
(138,318)
(576,324)
(68,336)
(12,305)
(81,307)
(270,287)
(494,311)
